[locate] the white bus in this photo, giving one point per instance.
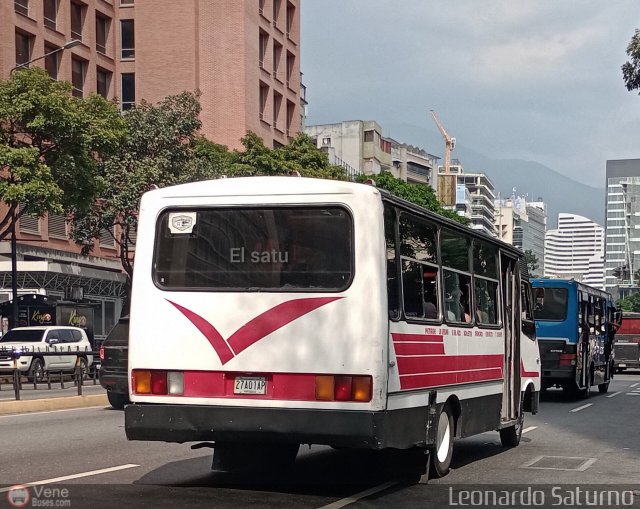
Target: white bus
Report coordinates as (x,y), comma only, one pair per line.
(269,312)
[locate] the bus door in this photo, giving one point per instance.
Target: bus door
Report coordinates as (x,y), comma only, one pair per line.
(582,347)
(511,327)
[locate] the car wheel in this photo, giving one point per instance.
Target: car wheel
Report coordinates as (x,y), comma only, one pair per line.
(117,399)
(36,371)
(441,454)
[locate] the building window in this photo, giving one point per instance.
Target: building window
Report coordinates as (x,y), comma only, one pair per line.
(57,226)
(128,91)
(276,12)
(277,54)
(23,49)
(291,14)
(102,31)
(127,38)
(77,20)
(106,238)
(103,80)
(28,223)
(277,104)
(50,13)
(368,136)
(291,61)
(126,2)
(52,61)
(291,109)
(264,41)
(21,6)
(77,76)
(261,7)
(264,94)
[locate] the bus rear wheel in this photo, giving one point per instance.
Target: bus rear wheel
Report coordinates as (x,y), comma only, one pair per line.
(441,454)
(510,437)
(603,387)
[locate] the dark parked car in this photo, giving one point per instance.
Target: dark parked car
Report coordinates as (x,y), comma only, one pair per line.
(114,354)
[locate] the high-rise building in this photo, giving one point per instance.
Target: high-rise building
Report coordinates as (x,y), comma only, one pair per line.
(242,55)
(622,260)
(575,250)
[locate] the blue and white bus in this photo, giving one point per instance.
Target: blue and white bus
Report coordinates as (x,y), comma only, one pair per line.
(575,327)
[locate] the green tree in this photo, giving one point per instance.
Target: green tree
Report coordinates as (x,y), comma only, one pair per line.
(631,68)
(630,303)
(51,145)
(532,261)
(159,151)
(299,155)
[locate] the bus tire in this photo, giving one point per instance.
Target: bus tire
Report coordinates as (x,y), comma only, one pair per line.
(510,437)
(603,387)
(441,454)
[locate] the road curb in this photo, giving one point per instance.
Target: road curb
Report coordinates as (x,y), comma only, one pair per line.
(43,405)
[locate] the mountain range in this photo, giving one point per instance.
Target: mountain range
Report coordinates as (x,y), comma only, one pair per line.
(529,178)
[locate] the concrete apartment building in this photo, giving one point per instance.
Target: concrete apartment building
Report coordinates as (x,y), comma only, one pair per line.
(622,258)
(359,147)
(575,250)
(243,56)
(476,200)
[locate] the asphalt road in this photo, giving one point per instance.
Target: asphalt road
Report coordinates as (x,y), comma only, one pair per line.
(571,442)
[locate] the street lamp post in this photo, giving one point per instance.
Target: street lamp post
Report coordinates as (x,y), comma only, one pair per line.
(66,45)
(14,247)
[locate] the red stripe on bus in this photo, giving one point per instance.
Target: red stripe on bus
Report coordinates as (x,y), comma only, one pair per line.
(419,348)
(284,386)
(429,338)
(438,379)
(256,328)
(524,372)
(445,363)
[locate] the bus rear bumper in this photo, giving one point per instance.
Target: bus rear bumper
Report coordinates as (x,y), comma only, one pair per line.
(400,429)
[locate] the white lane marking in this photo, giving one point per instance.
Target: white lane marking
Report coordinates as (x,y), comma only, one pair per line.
(633,385)
(530,428)
(614,394)
(73,476)
(581,407)
(354,498)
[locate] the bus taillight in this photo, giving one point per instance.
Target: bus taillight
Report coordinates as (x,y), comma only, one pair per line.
(159,383)
(343,388)
(141,381)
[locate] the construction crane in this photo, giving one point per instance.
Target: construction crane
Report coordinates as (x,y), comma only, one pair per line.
(446,185)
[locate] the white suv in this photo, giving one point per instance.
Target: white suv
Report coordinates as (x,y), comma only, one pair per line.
(62,347)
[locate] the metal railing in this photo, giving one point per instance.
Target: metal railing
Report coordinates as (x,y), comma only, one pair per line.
(78,374)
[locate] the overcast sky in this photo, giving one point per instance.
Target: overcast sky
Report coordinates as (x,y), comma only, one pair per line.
(538,80)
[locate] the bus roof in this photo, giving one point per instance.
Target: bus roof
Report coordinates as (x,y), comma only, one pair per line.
(286,185)
(567,283)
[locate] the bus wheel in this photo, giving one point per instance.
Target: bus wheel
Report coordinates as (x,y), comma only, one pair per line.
(440,455)
(603,387)
(510,437)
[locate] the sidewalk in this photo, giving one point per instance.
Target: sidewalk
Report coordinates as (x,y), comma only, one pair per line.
(43,399)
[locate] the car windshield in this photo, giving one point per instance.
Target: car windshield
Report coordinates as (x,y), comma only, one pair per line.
(22,336)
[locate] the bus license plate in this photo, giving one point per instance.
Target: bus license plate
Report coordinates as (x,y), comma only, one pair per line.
(250,385)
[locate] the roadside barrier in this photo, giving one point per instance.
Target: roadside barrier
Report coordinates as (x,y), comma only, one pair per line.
(46,375)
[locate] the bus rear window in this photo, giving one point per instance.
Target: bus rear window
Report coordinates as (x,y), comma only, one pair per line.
(272,249)
(550,304)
